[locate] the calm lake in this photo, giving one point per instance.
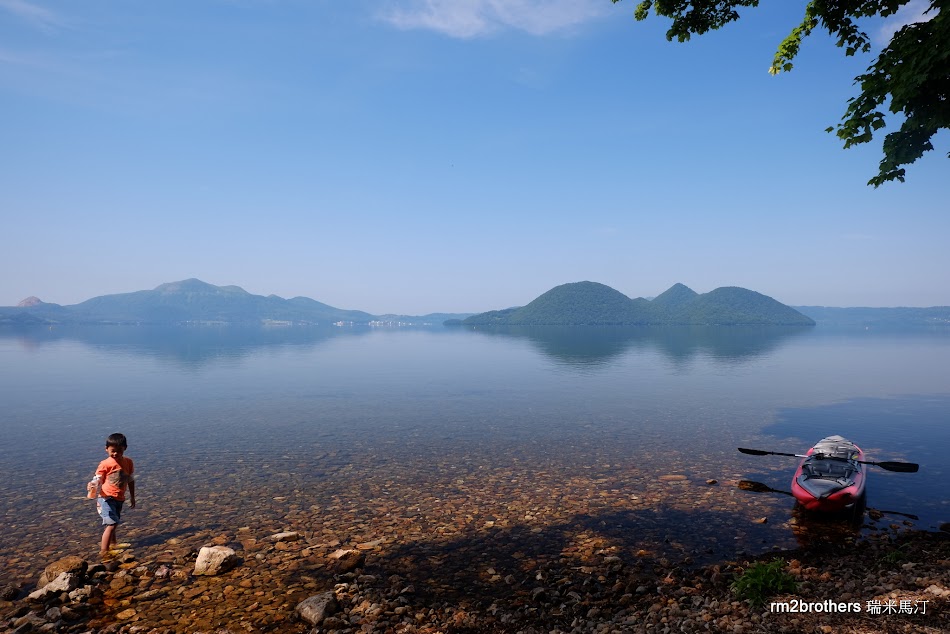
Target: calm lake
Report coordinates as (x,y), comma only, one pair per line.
(559,432)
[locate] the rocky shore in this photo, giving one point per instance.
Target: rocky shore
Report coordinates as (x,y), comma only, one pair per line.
(458,544)
(295,581)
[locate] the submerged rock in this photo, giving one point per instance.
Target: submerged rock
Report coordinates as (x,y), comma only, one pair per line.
(215,560)
(343,561)
(286,536)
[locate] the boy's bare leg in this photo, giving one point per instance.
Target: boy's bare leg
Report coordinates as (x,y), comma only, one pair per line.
(108,538)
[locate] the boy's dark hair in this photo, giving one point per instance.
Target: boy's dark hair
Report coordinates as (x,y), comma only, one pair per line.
(117,440)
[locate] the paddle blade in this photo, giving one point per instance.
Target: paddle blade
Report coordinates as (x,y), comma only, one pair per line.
(759,452)
(754,452)
(903,467)
(751,485)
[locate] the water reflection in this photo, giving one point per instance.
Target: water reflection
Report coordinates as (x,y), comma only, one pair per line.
(186,346)
(879,425)
(911,428)
(593,346)
(580,347)
(470,421)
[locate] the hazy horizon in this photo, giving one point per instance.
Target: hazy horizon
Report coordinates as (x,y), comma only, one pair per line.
(424,157)
(437,311)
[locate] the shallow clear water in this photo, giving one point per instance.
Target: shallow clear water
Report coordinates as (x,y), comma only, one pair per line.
(223,421)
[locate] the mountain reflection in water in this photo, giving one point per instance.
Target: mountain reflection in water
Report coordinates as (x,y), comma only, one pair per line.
(623,425)
(186,346)
(591,346)
(583,347)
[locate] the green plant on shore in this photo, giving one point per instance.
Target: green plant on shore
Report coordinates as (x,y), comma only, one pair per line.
(895,556)
(762,580)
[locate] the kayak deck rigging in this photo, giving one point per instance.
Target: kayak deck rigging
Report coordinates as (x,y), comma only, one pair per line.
(830,478)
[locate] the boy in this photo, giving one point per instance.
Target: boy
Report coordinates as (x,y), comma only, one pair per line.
(115,476)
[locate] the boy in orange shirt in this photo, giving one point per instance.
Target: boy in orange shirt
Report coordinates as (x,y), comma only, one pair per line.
(115,476)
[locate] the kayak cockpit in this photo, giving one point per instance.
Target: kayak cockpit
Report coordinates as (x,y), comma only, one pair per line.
(823,476)
(831,477)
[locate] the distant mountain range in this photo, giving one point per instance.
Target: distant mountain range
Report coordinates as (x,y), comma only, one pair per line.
(879,317)
(581,303)
(195,302)
(593,304)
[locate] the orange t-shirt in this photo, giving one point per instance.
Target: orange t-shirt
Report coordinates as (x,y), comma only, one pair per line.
(114,476)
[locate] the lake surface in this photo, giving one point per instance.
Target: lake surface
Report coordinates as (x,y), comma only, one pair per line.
(545,433)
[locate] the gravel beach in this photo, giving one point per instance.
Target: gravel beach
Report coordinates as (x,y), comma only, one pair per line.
(896,580)
(465,546)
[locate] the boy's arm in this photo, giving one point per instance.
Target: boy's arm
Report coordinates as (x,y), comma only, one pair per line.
(132,494)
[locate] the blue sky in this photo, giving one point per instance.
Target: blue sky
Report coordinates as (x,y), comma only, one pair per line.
(411,157)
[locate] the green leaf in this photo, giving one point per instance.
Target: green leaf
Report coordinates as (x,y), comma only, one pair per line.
(909,77)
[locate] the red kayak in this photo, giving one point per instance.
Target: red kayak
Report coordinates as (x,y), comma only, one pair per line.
(830,478)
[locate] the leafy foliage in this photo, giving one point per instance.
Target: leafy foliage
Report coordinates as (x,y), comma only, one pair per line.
(763,580)
(914,72)
(910,77)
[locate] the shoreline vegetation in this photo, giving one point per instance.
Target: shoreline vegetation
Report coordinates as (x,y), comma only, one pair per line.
(294,582)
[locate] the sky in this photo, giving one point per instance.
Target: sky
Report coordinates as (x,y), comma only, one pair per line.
(418,156)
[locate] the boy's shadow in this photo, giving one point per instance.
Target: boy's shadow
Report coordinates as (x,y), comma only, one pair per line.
(157,539)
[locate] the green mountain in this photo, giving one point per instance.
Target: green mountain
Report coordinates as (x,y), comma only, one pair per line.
(731,305)
(674,297)
(188,301)
(593,304)
(582,304)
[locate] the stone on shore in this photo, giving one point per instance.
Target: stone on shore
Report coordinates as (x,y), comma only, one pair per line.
(73,564)
(315,609)
(65,582)
(215,560)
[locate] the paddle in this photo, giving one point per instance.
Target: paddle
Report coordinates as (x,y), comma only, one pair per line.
(903,467)
(759,487)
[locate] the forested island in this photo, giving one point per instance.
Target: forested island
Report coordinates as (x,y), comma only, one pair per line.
(594,304)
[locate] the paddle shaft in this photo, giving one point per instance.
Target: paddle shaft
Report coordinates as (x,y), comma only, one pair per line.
(903,467)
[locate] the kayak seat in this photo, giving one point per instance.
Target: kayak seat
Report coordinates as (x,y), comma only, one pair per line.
(832,469)
(821,478)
